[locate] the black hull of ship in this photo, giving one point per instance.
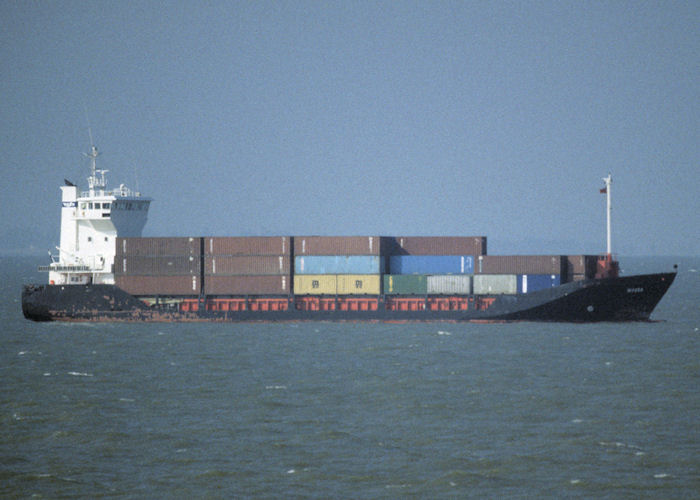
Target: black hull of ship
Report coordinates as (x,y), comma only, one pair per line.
(631,298)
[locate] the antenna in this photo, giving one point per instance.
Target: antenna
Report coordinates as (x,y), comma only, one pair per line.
(94,182)
(136,177)
(87,119)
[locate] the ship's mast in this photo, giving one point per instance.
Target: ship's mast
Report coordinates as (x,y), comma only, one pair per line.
(96,181)
(608,183)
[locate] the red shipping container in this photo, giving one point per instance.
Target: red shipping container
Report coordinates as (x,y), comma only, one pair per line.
(247,285)
(159,246)
(440,245)
(246,265)
(156,265)
(520,264)
(338,245)
(247,245)
(159,285)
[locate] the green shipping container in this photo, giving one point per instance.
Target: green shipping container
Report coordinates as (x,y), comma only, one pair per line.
(405,284)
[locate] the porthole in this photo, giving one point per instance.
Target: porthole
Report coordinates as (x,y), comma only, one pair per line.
(590,309)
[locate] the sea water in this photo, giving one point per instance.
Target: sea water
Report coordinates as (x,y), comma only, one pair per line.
(352,410)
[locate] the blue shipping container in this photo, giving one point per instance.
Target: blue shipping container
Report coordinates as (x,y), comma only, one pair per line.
(431,264)
(534,282)
(339,264)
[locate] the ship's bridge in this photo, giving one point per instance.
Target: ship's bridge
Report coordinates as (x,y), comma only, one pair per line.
(126,213)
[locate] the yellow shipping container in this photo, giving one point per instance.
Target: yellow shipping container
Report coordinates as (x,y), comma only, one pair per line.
(340,284)
(359,284)
(315,284)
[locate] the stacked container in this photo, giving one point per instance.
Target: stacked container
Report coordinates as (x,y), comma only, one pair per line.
(158,266)
(335,265)
(439,245)
(580,267)
(421,265)
(510,274)
(247,265)
(338,265)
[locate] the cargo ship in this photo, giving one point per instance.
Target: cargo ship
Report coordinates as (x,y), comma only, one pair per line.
(106,271)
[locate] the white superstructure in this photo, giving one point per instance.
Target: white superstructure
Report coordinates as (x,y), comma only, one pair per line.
(90,223)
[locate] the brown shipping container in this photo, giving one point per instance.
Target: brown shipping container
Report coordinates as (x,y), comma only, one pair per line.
(246,265)
(159,285)
(159,246)
(440,245)
(156,266)
(582,264)
(338,245)
(247,245)
(520,264)
(247,285)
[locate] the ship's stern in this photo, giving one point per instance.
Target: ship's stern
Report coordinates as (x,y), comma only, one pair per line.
(34,303)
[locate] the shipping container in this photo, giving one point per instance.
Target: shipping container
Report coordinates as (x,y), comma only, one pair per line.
(156,266)
(440,245)
(247,245)
(247,285)
(339,264)
(520,264)
(431,264)
(338,245)
(494,284)
(159,246)
(405,284)
(246,265)
(581,264)
(533,282)
(337,284)
(315,284)
(359,284)
(450,284)
(159,285)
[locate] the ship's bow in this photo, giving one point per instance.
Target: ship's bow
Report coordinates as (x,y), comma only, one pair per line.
(635,297)
(630,298)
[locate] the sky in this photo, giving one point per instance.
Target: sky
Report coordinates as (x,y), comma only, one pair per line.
(491,118)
